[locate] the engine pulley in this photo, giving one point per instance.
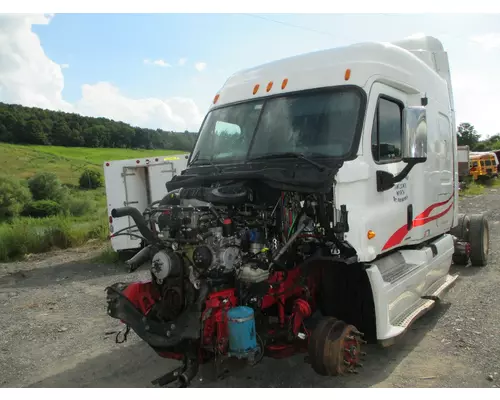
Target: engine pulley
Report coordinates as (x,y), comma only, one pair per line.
(164,265)
(203,257)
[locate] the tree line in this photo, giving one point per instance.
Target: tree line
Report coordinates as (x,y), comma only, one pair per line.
(468,136)
(31,125)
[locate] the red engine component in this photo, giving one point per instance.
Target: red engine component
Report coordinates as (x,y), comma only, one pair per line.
(214,319)
(142,294)
(293,297)
(301,310)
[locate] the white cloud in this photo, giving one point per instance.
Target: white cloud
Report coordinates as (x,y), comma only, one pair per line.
(159,63)
(30,78)
(105,100)
(488,41)
(416,36)
(182,61)
(64,66)
(200,66)
(27,75)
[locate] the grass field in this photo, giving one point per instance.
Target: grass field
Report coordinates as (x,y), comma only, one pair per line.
(477,188)
(66,162)
(25,235)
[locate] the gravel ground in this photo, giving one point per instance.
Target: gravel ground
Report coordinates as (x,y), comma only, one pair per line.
(55,331)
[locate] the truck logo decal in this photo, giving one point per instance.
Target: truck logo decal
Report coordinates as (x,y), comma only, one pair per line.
(420,220)
(400,192)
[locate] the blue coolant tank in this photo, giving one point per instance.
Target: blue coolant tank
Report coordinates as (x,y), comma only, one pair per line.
(242,335)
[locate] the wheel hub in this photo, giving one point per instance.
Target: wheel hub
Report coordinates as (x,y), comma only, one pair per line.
(334,348)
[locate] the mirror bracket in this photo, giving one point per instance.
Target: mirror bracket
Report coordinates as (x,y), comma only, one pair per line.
(386,180)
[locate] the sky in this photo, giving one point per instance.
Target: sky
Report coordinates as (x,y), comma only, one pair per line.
(163,70)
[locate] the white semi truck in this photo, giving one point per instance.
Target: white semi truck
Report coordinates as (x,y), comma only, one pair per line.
(318,209)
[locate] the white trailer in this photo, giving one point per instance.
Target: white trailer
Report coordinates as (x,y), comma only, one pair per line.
(463,154)
(137,182)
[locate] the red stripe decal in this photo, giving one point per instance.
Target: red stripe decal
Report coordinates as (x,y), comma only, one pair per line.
(423,221)
(420,220)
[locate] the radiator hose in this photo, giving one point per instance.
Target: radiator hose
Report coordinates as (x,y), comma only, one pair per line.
(138,218)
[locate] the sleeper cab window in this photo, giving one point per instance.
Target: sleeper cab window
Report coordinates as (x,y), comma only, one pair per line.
(387,131)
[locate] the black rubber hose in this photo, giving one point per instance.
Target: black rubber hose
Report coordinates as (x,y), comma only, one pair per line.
(138,218)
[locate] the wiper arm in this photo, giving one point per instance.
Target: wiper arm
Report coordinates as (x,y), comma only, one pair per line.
(195,157)
(301,156)
(204,161)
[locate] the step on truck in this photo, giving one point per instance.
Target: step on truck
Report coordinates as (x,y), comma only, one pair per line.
(136,182)
(318,212)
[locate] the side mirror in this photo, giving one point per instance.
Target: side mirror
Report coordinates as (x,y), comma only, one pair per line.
(415,135)
(414,147)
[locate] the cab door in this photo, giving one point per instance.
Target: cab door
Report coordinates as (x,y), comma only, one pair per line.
(391,211)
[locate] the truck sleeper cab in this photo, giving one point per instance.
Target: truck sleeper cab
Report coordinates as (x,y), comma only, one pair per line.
(386,112)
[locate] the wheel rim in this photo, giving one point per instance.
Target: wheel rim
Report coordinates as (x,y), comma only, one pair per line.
(486,240)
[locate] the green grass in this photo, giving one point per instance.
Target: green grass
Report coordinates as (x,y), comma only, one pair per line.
(477,188)
(67,162)
(24,236)
(107,256)
(31,235)
(99,155)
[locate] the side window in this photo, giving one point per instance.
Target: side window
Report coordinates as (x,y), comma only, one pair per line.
(387,132)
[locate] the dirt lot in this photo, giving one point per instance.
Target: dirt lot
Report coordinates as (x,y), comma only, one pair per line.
(55,331)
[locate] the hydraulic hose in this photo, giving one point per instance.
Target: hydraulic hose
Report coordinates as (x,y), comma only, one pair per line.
(138,218)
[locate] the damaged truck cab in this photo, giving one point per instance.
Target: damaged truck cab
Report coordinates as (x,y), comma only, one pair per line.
(318,211)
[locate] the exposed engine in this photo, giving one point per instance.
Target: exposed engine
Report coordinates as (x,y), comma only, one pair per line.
(236,272)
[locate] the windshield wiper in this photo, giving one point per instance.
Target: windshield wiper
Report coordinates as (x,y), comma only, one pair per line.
(301,156)
(203,161)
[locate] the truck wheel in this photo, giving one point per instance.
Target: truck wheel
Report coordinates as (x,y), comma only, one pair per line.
(479,240)
(334,347)
(462,230)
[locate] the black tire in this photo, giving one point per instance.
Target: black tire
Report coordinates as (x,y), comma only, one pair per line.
(460,259)
(479,240)
(462,230)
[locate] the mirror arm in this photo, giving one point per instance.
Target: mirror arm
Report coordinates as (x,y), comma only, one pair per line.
(386,180)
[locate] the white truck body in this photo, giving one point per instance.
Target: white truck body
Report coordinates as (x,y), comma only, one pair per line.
(463,154)
(421,208)
(137,182)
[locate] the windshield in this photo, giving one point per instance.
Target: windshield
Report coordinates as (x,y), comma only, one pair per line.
(318,123)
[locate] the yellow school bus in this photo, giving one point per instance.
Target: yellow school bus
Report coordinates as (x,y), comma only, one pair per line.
(482,166)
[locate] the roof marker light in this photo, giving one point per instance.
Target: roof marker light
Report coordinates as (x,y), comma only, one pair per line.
(256,88)
(269,86)
(216,98)
(347,74)
(284,83)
